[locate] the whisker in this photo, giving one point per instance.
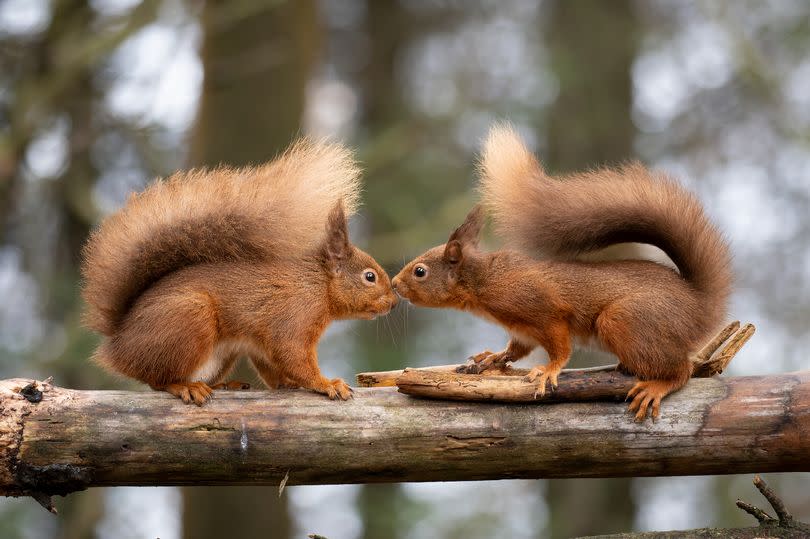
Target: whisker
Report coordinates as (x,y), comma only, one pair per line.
(390,331)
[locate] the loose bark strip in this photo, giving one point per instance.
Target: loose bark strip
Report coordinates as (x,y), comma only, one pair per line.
(389,378)
(72,440)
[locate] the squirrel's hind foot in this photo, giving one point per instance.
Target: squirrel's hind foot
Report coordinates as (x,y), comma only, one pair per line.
(649,392)
(543,374)
(197,392)
(337,389)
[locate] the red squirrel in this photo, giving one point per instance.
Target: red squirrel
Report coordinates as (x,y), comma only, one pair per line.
(211,265)
(647,314)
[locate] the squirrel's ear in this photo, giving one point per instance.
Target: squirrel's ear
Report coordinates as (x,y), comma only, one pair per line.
(453,252)
(337,245)
(465,236)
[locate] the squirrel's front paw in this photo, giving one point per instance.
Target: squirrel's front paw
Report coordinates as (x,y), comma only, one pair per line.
(484,361)
(197,392)
(543,374)
(338,389)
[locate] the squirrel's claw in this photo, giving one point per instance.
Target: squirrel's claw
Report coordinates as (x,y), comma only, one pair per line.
(190,392)
(545,373)
(338,389)
(645,394)
(479,357)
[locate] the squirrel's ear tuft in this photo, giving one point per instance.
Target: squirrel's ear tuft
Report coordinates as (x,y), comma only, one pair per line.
(337,245)
(470,230)
(465,236)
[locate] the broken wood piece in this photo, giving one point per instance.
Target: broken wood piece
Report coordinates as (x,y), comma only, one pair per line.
(573,386)
(598,383)
(389,378)
(709,361)
(713,359)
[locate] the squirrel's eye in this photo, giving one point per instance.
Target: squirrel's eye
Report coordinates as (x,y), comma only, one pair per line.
(420,272)
(369,277)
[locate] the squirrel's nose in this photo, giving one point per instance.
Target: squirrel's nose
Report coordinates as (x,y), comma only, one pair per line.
(394,282)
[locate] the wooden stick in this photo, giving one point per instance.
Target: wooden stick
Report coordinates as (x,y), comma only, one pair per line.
(388,378)
(573,387)
(775,501)
(707,362)
(710,362)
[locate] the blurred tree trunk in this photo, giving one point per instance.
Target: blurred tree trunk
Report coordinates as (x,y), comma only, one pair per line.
(591,124)
(591,121)
(257,58)
(389,29)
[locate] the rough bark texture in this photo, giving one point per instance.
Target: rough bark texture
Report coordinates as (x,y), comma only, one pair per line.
(72,439)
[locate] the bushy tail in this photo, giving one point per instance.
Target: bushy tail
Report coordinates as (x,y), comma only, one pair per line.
(572,215)
(223,214)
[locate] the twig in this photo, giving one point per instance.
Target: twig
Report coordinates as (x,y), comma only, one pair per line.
(785,521)
(283,483)
(712,346)
(777,504)
(756,512)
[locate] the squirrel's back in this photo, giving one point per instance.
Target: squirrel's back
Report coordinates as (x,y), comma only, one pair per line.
(569,216)
(217,215)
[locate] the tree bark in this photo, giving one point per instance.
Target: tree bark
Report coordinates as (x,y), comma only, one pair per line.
(72,440)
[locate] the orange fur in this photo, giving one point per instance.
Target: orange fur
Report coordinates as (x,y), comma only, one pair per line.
(208,266)
(649,315)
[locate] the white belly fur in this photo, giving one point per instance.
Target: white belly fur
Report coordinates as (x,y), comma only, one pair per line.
(223,351)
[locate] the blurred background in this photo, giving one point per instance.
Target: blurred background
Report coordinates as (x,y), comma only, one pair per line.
(99,96)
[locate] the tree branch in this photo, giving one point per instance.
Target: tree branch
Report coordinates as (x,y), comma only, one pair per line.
(70,440)
(506,384)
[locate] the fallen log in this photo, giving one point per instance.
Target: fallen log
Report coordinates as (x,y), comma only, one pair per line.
(55,440)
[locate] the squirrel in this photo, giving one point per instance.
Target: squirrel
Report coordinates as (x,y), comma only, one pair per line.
(647,314)
(211,265)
